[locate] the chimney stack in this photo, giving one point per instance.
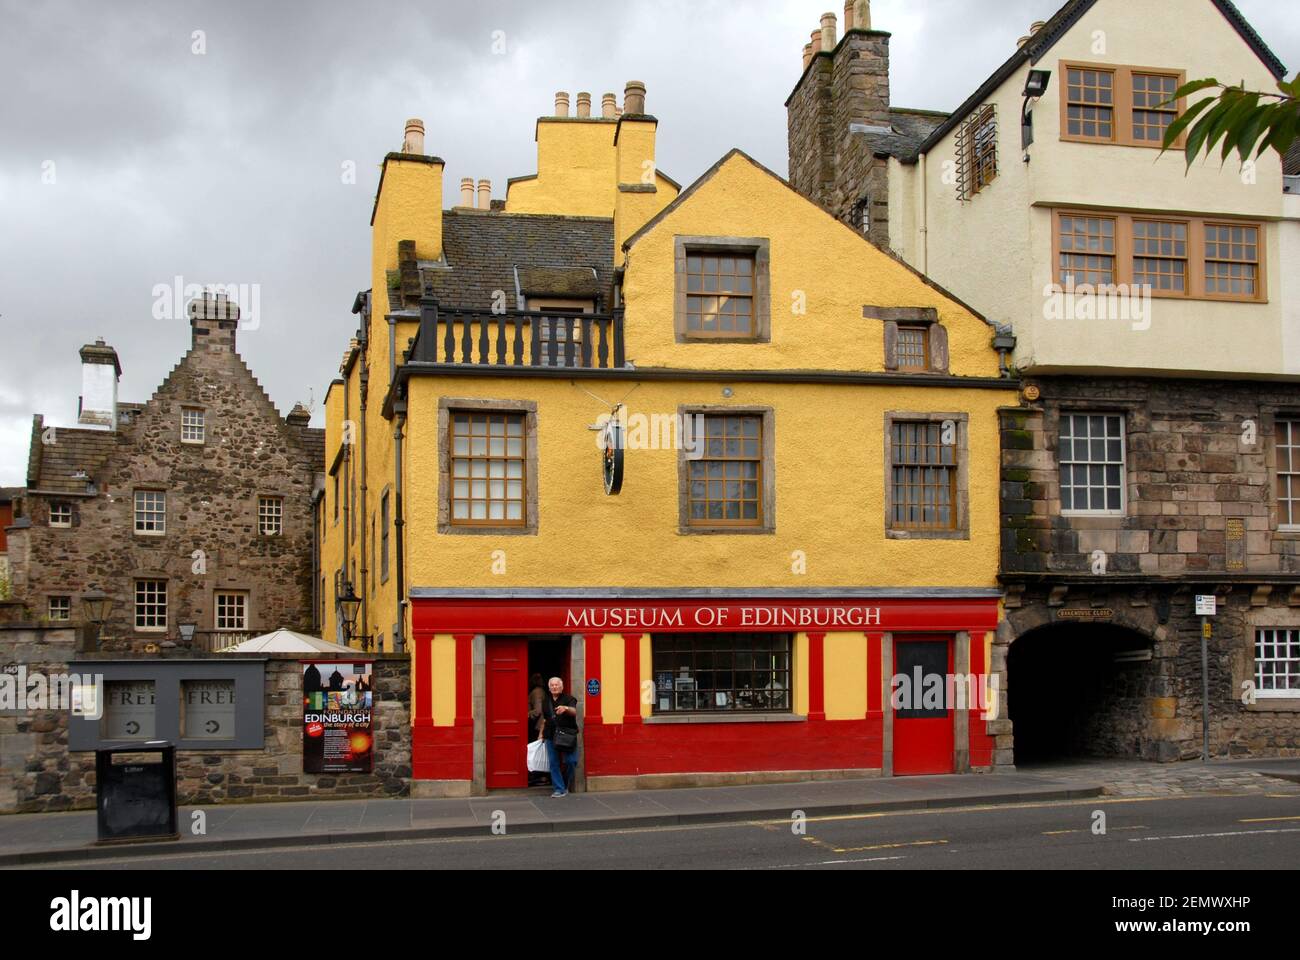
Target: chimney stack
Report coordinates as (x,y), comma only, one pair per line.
(213,321)
(100,371)
(299,416)
(413,142)
(485,194)
(584,104)
(467,191)
(609,106)
(828,31)
(562,104)
(634,97)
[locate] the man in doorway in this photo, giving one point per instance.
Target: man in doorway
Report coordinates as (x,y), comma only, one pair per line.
(561,713)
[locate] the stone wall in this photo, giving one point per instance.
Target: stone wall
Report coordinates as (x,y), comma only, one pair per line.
(38,773)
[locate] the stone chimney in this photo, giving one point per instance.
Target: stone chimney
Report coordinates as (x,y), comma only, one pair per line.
(841,100)
(467,191)
(485,194)
(214,319)
(609,106)
(562,104)
(413,141)
(584,104)
(100,372)
(299,416)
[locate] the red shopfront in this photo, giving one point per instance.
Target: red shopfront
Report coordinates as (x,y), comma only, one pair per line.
(700,688)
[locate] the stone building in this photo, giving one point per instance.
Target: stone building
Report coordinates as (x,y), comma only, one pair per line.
(1153,457)
(194,507)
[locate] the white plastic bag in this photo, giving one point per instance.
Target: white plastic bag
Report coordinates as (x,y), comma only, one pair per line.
(539,761)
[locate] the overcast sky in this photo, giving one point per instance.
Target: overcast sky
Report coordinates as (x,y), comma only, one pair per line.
(226,166)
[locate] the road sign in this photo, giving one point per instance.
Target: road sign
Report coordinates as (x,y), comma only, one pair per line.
(1207,606)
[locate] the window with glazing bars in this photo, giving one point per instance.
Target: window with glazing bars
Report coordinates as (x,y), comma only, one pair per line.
(60,608)
(270,516)
(1087,254)
(1091,459)
(721,672)
(1231,259)
(1090,103)
(913,348)
(1277,663)
(1288,472)
(1160,255)
(720,295)
(150,511)
(192,425)
(1154,108)
(151,604)
(488,475)
(232,611)
(923,477)
(725,483)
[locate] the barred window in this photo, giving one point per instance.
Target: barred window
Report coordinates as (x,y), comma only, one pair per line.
(151,604)
(977,152)
(1277,663)
(192,425)
(488,474)
(913,348)
(1091,459)
(150,511)
(270,516)
(923,476)
(1160,255)
(1288,472)
(60,514)
(725,483)
(1087,250)
(1231,259)
(60,608)
(1090,103)
(714,673)
(231,611)
(720,295)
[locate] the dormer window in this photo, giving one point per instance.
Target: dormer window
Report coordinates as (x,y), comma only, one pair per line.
(60,514)
(192,425)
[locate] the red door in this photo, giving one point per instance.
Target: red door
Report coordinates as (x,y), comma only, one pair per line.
(923,715)
(506,694)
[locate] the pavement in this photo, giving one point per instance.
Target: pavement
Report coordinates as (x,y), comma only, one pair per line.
(27,839)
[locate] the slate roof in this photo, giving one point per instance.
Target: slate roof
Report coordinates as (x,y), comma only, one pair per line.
(53,466)
(911,127)
(1055,28)
(481,250)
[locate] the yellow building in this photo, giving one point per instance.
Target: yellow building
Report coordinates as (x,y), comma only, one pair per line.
(707,455)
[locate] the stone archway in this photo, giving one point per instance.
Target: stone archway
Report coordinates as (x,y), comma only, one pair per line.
(1075,690)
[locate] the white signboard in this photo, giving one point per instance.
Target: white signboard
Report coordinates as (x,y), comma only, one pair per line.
(128,710)
(1206,606)
(209,709)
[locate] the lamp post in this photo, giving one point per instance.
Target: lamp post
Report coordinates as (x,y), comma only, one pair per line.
(95,607)
(349,603)
(186,630)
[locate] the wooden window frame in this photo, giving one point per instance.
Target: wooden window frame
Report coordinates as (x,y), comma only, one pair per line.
(135,512)
(757,247)
(766,524)
(961,477)
(262,502)
(61,506)
(528,408)
(1290,639)
(202,426)
(245,603)
(778,700)
(1293,524)
(1196,260)
(136,602)
(924,330)
(65,604)
(1123,464)
(1123,107)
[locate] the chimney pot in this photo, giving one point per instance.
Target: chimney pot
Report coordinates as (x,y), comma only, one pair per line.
(1021,42)
(467,191)
(609,106)
(828,31)
(1036,26)
(584,104)
(862,14)
(562,104)
(848,15)
(816,42)
(413,142)
(807,55)
(634,97)
(485,194)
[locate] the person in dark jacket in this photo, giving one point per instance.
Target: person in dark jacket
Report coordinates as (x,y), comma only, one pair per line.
(560,710)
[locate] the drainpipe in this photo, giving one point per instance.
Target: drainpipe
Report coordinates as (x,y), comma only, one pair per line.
(365,570)
(923,228)
(399,639)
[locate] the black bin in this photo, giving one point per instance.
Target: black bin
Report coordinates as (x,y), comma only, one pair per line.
(137,797)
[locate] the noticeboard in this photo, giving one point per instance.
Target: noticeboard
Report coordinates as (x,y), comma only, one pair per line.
(337,717)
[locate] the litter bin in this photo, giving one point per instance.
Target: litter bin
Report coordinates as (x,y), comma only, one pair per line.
(136,791)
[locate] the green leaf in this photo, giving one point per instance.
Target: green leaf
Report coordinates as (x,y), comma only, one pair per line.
(1194,86)
(1176,128)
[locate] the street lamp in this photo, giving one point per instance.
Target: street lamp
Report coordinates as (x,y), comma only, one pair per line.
(95,607)
(349,603)
(1035,86)
(186,630)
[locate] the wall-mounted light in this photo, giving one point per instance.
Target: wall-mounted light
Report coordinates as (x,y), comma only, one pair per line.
(1035,86)
(728,392)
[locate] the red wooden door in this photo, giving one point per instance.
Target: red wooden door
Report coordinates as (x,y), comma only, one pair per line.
(923,725)
(506,694)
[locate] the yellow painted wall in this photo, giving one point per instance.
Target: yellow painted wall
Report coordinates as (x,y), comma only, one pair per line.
(611,678)
(444,680)
(834,270)
(800,679)
(995,252)
(575,170)
(846,676)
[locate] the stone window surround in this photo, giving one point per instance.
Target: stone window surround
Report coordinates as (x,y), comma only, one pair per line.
(1264,618)
(1267,439)
(962,505)
(768,455)
(759,248)
(937,358)
(477,405)
(65,506)
(1052,410)
(135,523)
(1124,493)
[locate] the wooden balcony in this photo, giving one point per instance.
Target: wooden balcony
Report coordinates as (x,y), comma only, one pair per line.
(518,340)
